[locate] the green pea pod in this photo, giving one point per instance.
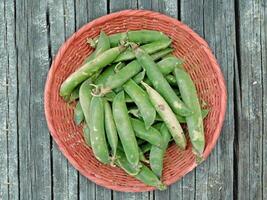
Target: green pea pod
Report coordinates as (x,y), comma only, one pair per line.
(125,129)
(157,154)
(118,79)
(111,130)
(141,99)
(123,163)
(85,98)
(111,95)
(88,69)
(194,122)
(148,177)
(74,95)
(86,134)
(151,134)
(167,116)
(167,65)
(139,77)
(139,36)
(78,114)
(97,130)
(141,155)
(148,48)
(102,45)
(160,83)
(142,173)
(146,147)
(171,80)
(161,53)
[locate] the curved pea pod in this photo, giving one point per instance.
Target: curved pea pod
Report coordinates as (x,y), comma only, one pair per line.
(78,114)
(141,99)
(125,129)
(86,135)
(117,38)
(97,130)
(194,122)
(167,65)
(160,83)
(118,79)
(123,163)
(148,48)
(151,134)
(111,130)
(148,177)
(167,116)
(161,53)
(88,69)
(74,95)
(85,99)
(102,45)
(142,173)
(146,147)
(157,154)
(141,155)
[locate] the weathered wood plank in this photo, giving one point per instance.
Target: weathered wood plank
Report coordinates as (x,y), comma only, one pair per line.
(264,80)
(61,24)
(214,21)
(4,105)
(250,185)
(33,64)
(13,182)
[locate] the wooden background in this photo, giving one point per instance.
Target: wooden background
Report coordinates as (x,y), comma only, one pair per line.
(31,31)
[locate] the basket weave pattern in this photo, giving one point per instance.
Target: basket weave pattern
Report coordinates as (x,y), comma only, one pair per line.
(199,62)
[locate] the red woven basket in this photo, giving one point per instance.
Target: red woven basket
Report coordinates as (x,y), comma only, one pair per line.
(199,62)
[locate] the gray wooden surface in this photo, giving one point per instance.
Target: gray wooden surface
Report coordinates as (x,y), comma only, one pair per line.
(31,31)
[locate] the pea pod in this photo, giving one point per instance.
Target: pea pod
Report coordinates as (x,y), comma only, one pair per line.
(167,116)
(88,69)
(97,130)
(85,98)
(123,163)
(194,122)
(151,134)
(102,45)
(139,96)
(161,53)
(139,36)
(142,173)
(141,154)
(110,97)
(74,95)
(167,65)
(78,114)
(120,78)
(146,147)
(148,48)
(111,130)
(86,135)
(171,80)
(125,129)
(157,154)
(139,77)
(160,83)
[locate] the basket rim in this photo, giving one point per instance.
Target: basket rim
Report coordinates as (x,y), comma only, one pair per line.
(60,54)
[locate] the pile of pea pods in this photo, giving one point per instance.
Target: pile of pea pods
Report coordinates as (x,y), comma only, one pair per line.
(132,95)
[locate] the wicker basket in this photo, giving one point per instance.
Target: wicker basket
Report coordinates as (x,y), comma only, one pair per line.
(199,62)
